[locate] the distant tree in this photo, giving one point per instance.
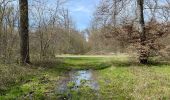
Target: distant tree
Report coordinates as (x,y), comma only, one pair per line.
(24,32)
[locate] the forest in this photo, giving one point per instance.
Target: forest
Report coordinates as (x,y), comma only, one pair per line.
(84,50)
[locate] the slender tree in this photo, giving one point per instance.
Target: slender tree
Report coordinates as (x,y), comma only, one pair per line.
(24,32)
(143,58)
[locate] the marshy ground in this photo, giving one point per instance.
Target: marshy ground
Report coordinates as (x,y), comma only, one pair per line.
(117,77)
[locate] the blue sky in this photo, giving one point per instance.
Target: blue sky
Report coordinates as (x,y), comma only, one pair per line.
(82,11)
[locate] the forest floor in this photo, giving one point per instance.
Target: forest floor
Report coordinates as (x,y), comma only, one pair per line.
(116,77)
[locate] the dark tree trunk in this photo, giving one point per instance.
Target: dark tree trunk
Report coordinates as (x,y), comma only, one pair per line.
(24,32)
(143,58)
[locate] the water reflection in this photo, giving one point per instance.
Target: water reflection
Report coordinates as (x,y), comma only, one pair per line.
(79,78)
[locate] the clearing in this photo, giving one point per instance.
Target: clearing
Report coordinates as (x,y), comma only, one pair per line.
(86,77)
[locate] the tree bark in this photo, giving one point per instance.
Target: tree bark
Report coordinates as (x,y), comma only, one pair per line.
(24,32)
(143,58)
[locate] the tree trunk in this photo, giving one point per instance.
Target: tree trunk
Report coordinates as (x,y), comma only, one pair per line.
(0,39)
(143,58)
(24,32)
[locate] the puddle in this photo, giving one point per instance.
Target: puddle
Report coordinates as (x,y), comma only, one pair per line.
(76,79)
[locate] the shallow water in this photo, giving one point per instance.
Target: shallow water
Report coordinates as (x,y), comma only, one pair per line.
(79,78)
(84,77)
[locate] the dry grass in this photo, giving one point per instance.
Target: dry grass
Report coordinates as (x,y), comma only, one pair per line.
(11,75)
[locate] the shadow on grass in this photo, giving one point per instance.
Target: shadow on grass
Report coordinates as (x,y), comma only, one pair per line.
(67,64)
(150,63)
(158,63)
(62,65)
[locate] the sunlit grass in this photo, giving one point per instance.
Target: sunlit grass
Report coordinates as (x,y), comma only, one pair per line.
(119,77)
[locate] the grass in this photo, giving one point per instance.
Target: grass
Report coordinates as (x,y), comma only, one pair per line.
(119,77)
(21,82)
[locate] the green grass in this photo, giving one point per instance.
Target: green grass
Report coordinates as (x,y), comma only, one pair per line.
(85,63)
(119,77)
(23,81)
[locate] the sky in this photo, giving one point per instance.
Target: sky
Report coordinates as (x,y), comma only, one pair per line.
(81,11)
